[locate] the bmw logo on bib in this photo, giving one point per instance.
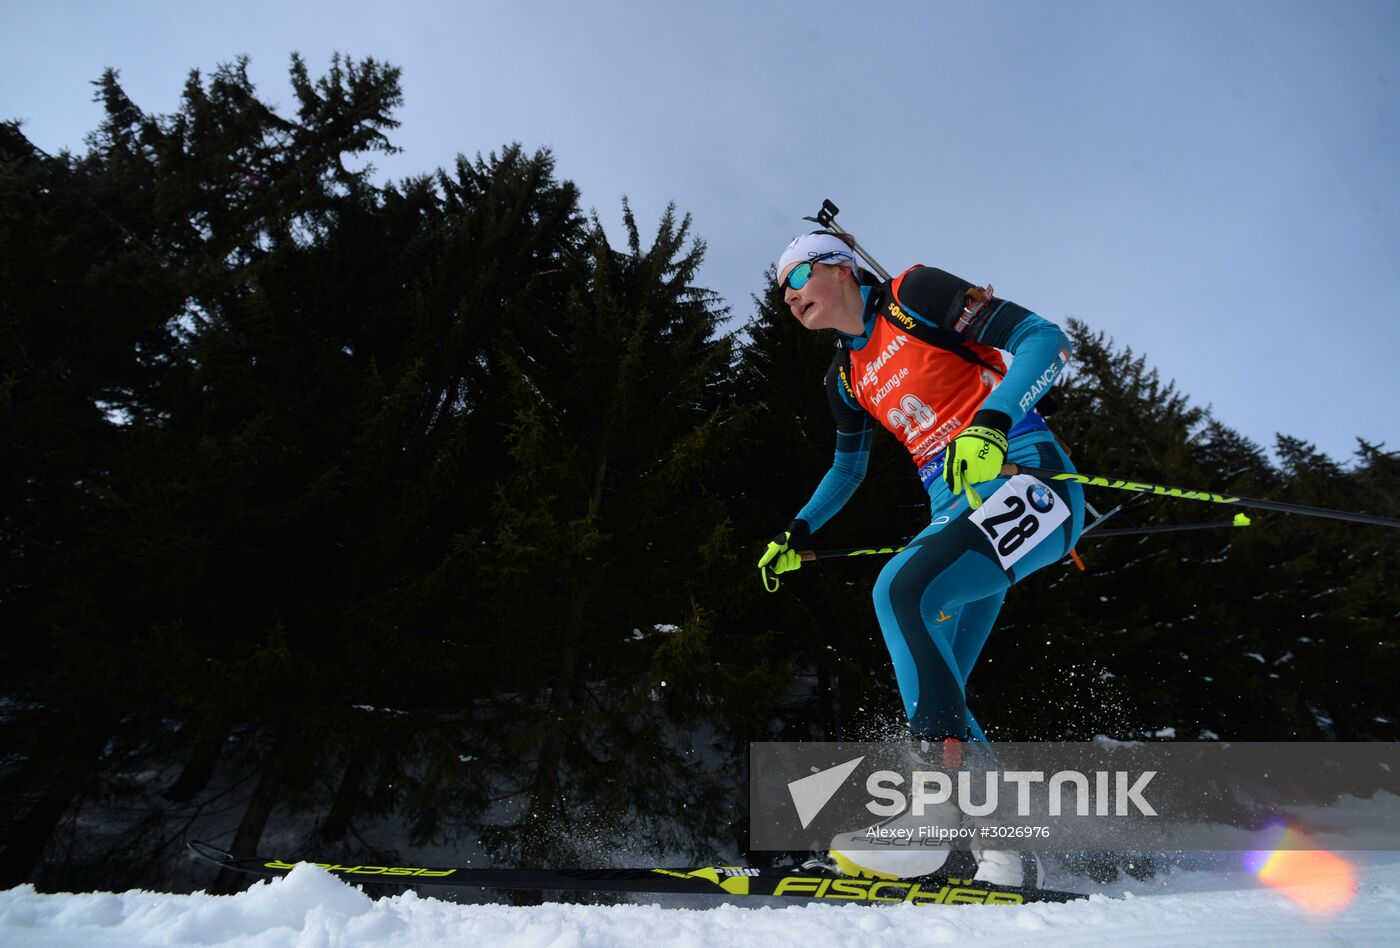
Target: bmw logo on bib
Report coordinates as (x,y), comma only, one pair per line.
(1041,497)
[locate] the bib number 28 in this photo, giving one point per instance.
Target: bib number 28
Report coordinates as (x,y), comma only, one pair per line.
(1021,514)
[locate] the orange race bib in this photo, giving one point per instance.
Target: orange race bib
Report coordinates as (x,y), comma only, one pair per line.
(923,394)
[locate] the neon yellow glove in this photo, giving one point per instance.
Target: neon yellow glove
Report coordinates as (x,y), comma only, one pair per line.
(976,455)
(780,557)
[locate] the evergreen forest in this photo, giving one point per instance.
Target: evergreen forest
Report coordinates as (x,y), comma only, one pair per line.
(376,521)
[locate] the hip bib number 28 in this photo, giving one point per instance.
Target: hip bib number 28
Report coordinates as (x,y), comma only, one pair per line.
(1021,513)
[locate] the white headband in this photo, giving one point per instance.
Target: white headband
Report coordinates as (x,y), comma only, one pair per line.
(811,246)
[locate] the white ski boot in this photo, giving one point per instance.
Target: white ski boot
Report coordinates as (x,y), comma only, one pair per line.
(910,845)
(904,846)
(1008,867)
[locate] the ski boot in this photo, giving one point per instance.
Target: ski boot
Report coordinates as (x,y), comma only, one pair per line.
(1008,867)
(908,846)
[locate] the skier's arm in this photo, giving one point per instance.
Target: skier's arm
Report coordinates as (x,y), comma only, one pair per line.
(1041,349)
(853,436)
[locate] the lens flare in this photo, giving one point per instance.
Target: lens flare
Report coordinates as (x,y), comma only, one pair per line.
(1318,880)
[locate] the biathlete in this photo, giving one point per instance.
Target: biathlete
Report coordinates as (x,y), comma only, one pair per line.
(921,355)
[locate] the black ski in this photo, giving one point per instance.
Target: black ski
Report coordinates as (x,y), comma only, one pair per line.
(802,882)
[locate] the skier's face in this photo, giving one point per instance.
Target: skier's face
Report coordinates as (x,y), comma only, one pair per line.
(821,302)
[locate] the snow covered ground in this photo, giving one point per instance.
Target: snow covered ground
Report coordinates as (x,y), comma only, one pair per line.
(312,909)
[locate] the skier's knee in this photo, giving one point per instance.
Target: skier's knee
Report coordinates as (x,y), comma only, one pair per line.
(881,593)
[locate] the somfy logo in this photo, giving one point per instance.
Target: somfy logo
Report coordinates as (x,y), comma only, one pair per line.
(810,794)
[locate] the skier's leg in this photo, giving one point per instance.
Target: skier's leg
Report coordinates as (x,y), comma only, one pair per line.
(972,622)
(974,730)
(917,597)
(936,602)
(970,631)
(951,569)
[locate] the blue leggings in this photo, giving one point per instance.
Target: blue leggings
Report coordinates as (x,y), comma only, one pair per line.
(937,600)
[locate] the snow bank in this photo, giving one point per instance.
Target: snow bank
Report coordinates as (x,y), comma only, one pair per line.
(312,909)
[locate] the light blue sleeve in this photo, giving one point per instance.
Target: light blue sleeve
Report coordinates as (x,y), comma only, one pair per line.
(1041,349)
(840,483)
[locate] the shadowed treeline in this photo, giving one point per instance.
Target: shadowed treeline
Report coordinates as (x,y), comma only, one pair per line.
(370,518)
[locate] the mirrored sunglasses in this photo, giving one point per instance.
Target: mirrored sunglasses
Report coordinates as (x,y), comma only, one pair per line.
(799,275)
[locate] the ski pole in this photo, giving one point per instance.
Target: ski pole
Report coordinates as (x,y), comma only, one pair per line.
(1143,487)
(826,217)
(1240,521)
(1094,529)
(810,556)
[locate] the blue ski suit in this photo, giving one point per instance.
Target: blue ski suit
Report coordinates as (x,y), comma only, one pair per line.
(928,361)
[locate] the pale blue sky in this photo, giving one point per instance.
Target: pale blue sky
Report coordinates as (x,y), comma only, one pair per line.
(1215,183)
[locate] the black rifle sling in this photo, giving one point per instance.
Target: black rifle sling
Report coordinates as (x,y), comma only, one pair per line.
(945,340)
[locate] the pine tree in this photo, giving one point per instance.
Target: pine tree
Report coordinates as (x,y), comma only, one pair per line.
(281,373)
(605,547)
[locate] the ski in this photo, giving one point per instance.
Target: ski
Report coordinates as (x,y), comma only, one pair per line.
(809,881)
